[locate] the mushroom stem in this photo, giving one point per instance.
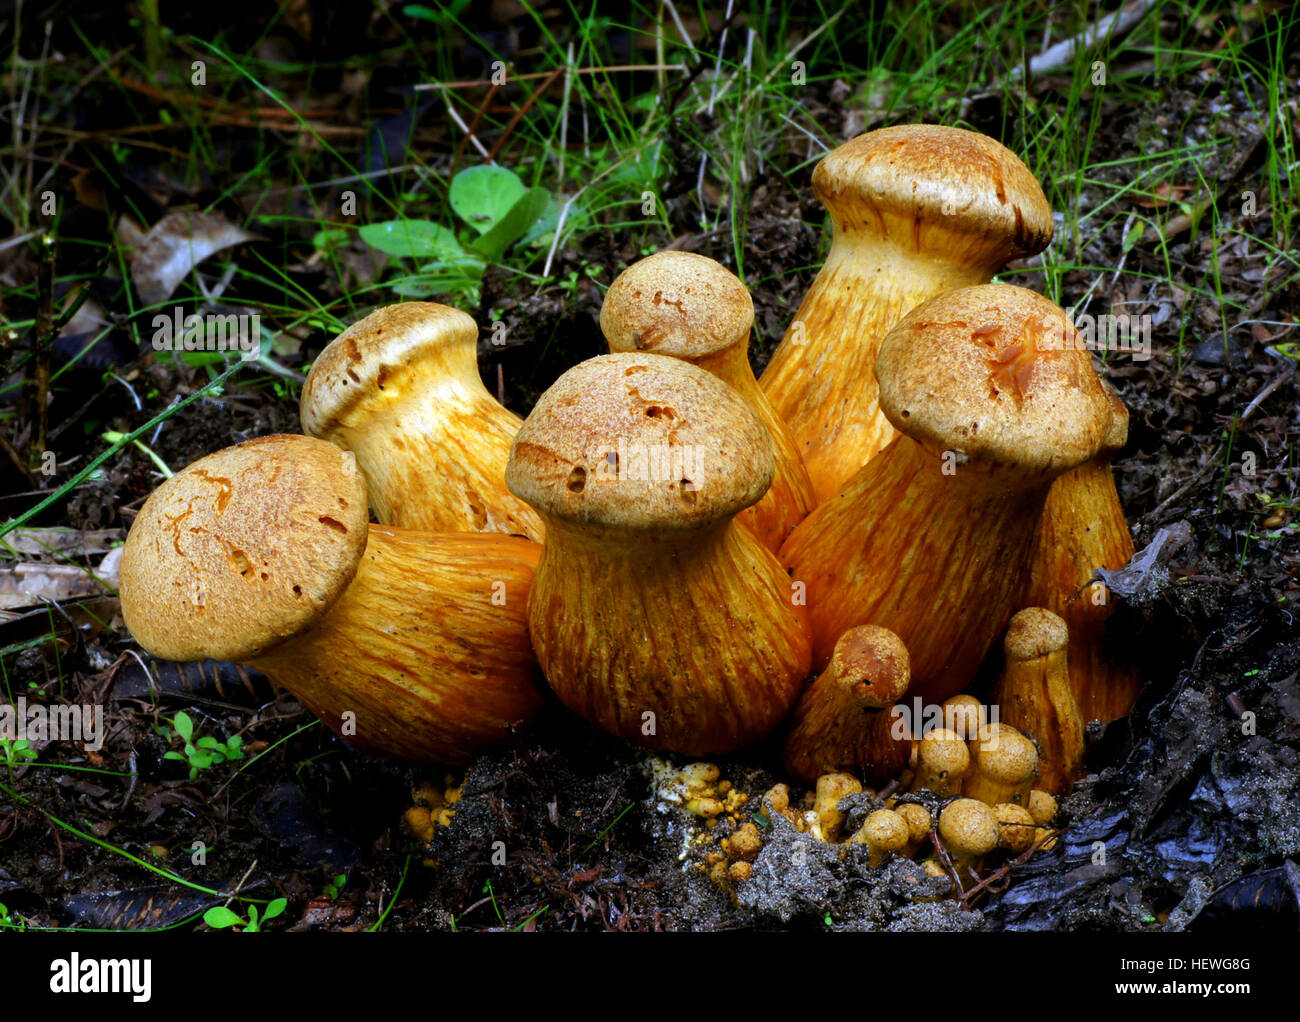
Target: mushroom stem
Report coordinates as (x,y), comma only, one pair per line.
(830,789)
(916,210)
(975,527)
(401,390)
(843,720)
(427,649)
(1082,529)
(1034,694)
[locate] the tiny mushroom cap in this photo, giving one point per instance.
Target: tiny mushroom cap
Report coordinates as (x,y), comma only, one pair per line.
(650,410)
(918,820)
(925,183)
(1015,827)
(884,832)
(993,372)
(1042,806)
(968,829)
(942,760)
(964,715)
(282,556)
(679,304)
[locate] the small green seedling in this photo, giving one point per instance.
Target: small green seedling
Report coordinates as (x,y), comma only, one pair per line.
(335,887)
(221,918)
(205,752)
(16,752)
(8,922)
(499,210)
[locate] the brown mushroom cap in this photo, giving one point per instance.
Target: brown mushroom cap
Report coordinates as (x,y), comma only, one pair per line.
(244,548)
(872,663)
(676,303)
(1005,756)
(905,180)
(694,452)
(994,372)
(1034,632)
(379,353)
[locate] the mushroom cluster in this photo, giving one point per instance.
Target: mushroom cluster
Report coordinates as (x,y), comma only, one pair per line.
(672,547)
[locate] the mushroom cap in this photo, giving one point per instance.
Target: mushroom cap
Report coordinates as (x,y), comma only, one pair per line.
(964,715)
(917,818)
(873,661)
(1015,826)
(968,827)
(244,548)
(1042,806)
(961,180)
(886,830)
(943,751)
(1035,632)
(640,441)
(1004,755)
(679,304)
(378,353)
(994,372)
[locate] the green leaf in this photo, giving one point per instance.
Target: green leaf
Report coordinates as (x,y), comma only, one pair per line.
(183,725)
(510,228)
(220,917)
(274,909)
(252,926)
(422,239)
(208,742)
(173,755)
(482,196)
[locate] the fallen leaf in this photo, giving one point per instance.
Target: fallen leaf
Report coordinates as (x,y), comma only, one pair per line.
(175,245)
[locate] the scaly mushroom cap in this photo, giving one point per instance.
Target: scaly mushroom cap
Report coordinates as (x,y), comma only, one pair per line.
(243,549)
(913,181)
(380,353)
(640,441)
(676,303)
(994,372)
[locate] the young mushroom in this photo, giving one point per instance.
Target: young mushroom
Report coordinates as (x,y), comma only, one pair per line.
(409,644)
(654,615)
(843,720)
(968,831)
(917,209)
(1082,529)
(826,808)
(690,307)
(931,538)
(401,390)
(942,761)
(1003,767)
(1034,694)
(1015,827)
(885,833)
(919,823)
